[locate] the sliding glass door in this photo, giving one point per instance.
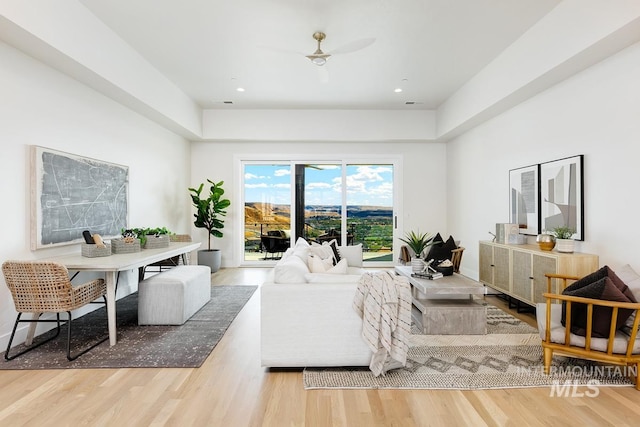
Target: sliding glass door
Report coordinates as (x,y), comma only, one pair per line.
(267,210)
(369,205)
(351,202)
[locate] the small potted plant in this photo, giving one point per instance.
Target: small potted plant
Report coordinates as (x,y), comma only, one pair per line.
(564,241)
(418,242)
(209,211)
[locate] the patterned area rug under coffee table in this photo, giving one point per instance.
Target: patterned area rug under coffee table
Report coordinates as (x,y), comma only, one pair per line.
(509,356)
(184,346)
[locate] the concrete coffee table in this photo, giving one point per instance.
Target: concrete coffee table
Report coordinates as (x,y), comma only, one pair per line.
(446,306)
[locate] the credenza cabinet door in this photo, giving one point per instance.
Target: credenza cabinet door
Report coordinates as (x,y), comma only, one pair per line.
(519,270)
(494,267)
(540,266)
(521,265)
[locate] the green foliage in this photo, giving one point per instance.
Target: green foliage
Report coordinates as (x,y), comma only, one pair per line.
(563,232)
(142,233)
(418,242)
(209,209)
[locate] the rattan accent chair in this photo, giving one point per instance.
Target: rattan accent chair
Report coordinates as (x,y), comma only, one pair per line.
(617,348)
(168,263)
(44,287)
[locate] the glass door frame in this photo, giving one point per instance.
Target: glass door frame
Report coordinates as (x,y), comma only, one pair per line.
(343,160)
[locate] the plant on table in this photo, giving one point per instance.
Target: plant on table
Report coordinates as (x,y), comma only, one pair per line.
(563,232)
(142,233)
(418,242)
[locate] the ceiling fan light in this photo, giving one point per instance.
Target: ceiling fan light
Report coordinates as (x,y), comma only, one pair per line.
(319,61)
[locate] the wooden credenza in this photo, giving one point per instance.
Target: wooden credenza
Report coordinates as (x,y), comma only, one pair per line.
(518,270)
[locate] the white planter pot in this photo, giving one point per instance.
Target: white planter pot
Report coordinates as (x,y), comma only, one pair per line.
(417,265)
(212,258)
(565,245)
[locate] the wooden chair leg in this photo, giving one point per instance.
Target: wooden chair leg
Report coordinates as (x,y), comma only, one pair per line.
(548,356)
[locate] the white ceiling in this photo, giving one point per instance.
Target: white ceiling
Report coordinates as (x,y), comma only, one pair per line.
(208,48)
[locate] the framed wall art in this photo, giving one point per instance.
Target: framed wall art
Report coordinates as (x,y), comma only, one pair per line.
(71,193)
(562,195)
(523,199)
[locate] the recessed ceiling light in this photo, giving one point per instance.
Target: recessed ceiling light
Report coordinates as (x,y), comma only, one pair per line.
(398,90)
(240,89)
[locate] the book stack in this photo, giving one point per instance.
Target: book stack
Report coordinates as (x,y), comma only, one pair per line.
(428,275)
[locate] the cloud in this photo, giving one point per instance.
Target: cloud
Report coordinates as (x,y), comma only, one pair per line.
(282,172)
(318,185)
(260,185)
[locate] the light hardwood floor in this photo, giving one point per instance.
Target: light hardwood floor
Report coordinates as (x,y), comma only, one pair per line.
(232,389)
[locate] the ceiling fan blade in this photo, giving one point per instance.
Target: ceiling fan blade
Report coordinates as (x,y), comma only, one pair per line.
(353,46)
(280,50)
(323,74)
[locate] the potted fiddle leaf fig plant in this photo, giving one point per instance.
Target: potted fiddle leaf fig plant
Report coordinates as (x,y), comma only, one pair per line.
(210,208)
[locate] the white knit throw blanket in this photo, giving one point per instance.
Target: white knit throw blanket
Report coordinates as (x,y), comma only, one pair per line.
(383,301)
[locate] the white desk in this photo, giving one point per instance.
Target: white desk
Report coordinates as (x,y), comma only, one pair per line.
(112,264)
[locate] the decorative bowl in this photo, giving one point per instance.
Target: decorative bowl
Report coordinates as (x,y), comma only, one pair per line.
(446,270)
(546,242)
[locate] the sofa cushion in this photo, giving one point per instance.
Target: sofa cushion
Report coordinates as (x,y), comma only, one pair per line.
(323,251)
(557,332)
(441,251)
(301,249)
(290,270)
(352,253)
(603,284)
(332,278)
(632,280)
(317,265)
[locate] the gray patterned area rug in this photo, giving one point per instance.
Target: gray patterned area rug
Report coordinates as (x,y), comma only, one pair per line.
(509,356)
(184,346)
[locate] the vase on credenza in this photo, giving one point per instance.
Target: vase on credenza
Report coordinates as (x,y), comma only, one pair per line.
(565,245)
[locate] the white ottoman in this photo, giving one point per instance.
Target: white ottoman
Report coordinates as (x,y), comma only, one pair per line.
(173,296)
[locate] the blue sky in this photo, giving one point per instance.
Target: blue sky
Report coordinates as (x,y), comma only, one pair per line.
(366,184)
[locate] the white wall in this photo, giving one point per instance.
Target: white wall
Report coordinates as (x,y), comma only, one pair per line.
(595,113)
(40,106)
(423,175)
(319,125)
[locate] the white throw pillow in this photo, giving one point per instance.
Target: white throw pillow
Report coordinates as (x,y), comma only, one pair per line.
(301,249)
(353,254)
(632,280)
(290,270)
(319,265)
(322,251)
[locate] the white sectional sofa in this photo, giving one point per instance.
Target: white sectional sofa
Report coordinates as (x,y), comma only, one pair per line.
(307,317)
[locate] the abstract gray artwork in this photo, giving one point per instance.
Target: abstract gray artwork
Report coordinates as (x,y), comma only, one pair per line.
(72,193)
(523,199)
(562,194)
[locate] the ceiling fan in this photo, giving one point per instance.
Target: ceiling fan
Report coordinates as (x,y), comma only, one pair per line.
(320,58)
